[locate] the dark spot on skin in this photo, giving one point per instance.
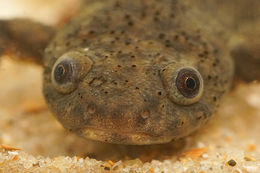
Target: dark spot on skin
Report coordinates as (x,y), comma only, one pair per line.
(186,38)
(201,55)
(179,124)
(159,93)
(91,32)
(143,14)
(161,36)
(127,42)
(127,16)
(130,23)
(157,13)
(206,52)
(172,15)
(214,99)
(156,19)
(133,65)
(68,44)
(137,88)
(198,118)
(167,45)
(112,32)
(183,33)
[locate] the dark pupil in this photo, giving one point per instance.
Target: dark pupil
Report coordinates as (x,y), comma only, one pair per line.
(188,83)
(60,70)
(63,72)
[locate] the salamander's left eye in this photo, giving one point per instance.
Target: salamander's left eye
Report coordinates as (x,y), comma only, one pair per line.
(184,85)
(188,82)
(63,72)
(68,70)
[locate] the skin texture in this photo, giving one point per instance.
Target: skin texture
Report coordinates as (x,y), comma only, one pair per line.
(118,71)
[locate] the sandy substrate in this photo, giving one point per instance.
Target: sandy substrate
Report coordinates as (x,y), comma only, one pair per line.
(33,141)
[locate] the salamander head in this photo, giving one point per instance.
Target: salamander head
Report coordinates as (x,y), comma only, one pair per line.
(131,98)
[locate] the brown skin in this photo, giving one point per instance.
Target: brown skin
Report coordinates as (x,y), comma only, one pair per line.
(135,72)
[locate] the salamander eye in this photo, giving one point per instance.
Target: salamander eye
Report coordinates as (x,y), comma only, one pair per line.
(68,70)
(63,72)
(188,83)
(184,85)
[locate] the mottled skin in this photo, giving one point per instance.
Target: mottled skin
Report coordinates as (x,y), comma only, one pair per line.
(124,57)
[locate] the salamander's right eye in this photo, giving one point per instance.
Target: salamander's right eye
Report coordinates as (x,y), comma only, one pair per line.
(68,70)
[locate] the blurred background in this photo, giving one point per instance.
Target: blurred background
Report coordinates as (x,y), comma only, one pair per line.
(46,11)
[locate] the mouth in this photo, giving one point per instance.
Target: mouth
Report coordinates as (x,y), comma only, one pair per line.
(121,137)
